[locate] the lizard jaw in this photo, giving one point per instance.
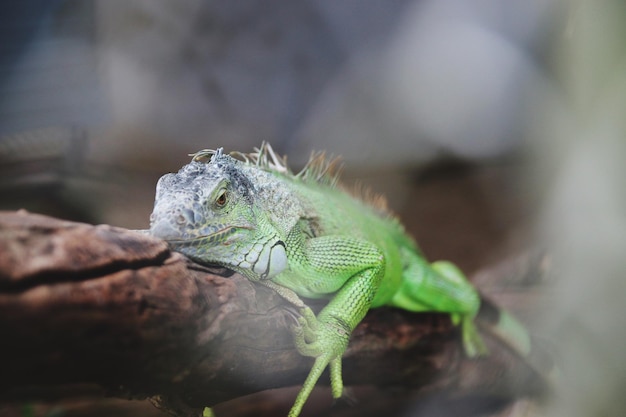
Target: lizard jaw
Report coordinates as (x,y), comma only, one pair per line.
(207,240)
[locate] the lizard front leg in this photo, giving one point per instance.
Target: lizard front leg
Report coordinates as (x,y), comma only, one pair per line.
(353,269)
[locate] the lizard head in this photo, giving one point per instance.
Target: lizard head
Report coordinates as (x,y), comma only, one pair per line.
(206,210)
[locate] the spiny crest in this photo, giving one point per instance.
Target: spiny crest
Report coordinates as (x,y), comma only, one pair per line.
(265,158)
(207,155)
(375,200)
(320,168)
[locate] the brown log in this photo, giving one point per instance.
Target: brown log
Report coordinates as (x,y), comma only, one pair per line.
(100,309)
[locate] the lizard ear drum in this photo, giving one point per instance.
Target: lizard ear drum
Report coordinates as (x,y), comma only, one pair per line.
(271,261)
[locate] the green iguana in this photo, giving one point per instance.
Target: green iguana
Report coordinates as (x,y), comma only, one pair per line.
(304,235)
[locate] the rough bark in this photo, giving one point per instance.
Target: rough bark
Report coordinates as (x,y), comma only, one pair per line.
(100,309)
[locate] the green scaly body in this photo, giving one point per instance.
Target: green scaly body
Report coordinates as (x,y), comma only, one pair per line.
(302,235)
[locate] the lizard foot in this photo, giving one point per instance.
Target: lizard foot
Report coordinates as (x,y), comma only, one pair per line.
(347,398)
(305,331)
(314,337)
(472,341)
(326,341)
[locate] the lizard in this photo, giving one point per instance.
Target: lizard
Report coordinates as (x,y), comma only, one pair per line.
(304,235)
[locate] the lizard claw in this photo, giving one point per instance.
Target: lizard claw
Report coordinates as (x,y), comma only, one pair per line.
(316,338)
(305,332)
(309,317)
(472,342)
(303,336)
(347,399)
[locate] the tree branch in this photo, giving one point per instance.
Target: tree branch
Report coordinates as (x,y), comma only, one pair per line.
(107,310)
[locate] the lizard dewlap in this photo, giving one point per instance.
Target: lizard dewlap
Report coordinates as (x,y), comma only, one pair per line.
(303,235)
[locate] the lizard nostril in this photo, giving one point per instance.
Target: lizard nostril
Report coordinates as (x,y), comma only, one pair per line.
(180,219)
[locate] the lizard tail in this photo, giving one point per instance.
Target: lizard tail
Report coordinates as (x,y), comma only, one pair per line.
(502,325)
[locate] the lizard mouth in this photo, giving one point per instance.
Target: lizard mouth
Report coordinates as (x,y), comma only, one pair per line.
(210,239)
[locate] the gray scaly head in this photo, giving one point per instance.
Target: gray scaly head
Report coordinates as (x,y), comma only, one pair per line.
(207,212)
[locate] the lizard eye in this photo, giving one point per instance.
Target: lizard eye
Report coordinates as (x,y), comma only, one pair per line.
(221,199)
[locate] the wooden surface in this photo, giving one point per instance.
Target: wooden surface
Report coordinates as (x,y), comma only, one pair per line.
(104,311)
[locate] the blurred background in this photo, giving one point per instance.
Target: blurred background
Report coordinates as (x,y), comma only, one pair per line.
(492,126)
(99,98)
